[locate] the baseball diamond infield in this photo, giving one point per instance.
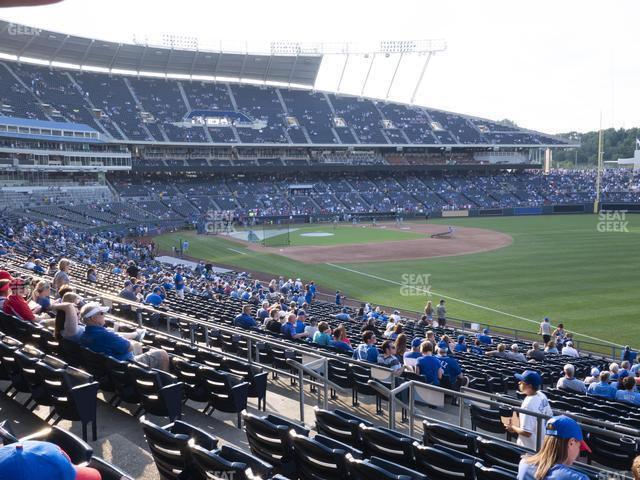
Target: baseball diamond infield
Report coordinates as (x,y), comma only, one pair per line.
(463,240)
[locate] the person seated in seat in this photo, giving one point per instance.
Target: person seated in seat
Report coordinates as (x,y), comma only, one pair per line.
(602,388)
(499,352)
(245,320)
(155,297)
(14,303)
(570,382)
(551,347)
(102,340)
(367,351)
(389,359)
(627,391)
(289,328)
(429,366)
(370,324)
(514,354)
(535,353)
(32,459)
(340,341)
(323,335)
(562,444)
(452,377)
(484,337)
(461,346)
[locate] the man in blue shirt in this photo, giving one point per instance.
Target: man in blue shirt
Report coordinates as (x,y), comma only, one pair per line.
(484,337)
(178,281)
(602,388)
(312,289)
(429,366)
(99,339)
(263,312)
(289,328)
(452,377)
(367,350)
(245,320)
(300,321)
(154,298)
(344,316)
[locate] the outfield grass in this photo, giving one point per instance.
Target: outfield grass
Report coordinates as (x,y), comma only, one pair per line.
(558,266)
(341,235)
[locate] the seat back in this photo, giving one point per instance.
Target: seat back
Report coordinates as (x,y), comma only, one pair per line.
(77,449)
(616,453)
(107,470)
(439,434)
(500,454)
(170,451)
(270,442)
(486,419)
(392,446)
(315,461)
(493,473)
(437,463)
(337,427)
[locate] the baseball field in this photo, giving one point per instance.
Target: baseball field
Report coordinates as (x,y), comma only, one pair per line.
(581,270)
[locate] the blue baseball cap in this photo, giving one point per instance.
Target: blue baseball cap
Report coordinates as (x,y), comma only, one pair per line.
(301,313)
(530,377)
(443,344)
(33,459)
(461,338)
(623,372)
(416,342)
(566,427)
(485,331)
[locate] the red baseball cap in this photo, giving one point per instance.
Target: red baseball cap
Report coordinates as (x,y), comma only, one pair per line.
(4,275)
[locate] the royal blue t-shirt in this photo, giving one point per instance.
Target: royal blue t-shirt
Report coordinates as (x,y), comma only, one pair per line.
(451,367)
(154,299)
(460,347)
(300,325)
(179,281)
(245,321)
(429,366)
(486,339)
(101,340)
(288,330)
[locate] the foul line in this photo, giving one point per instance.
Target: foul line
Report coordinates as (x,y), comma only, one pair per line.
(237,251)
(424,290)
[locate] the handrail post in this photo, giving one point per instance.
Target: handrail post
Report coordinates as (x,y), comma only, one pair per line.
(392,411)
(301,383)
(206,336)
(325,403)
(540,434)
(461,412)
(139,316)
(249,351)
(411,409)
(192,333)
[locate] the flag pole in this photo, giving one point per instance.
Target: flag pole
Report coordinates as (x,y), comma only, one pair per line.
(596,205)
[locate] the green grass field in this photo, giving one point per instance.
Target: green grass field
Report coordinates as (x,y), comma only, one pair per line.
(339,235)
(559,266)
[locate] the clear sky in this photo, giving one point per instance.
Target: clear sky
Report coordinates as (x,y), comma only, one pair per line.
(549,65)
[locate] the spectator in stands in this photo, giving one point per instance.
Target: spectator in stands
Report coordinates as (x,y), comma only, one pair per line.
(67,323)
(127,292)
(551,347)
(415,349)
(401,346)
(569,351)
(627,392)
(263,312)
(40,301)
(535,353)
(499,352)
(273,323)
(530,383)
(628,354)
(31,459)
(244,319)
(343,316)
(323,335)
(14,301)
(484,337)
(477,348)
(178,281)
(429,366)
(311,328)
(62,275)
(155,297)
(5,285)
(452,377)
(545,330)
(92,275)
(441,312)
(340,342)
(514,354)
(39,269)
(635,468)
(339,298)
(30,263)
(99,339)
(561,447)
(132,270)
(431,337)
(393,334)
(289,328)
(389,359)
(367,351)
(300,321)
(428,311)
(602,388)
(461,346)
(570,382)
(559,334)
(370,324)
(593,378)
(613,371)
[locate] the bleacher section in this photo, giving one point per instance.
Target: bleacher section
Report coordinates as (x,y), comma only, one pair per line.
(152,109)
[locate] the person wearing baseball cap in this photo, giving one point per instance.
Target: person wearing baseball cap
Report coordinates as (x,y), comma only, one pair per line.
(529,383)
(13,300)
(32,459)
(562,445)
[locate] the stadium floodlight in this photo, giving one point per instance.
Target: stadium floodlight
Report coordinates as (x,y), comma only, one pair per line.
(182,42)
(285,48)
(398,46)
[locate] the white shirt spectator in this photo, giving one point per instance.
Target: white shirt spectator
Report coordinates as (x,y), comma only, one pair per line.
(569,351)
(535,403)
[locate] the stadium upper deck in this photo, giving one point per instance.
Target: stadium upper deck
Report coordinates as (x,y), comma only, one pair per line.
(141,109)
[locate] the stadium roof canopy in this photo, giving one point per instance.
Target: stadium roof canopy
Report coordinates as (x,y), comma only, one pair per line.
(23,41)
